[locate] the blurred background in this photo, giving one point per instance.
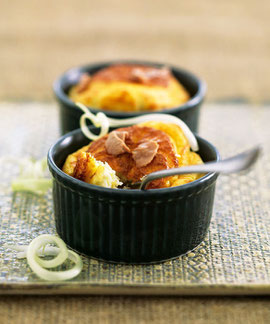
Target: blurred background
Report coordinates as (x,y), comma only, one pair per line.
(227,43)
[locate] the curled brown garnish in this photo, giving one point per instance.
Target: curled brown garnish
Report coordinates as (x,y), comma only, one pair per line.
(144,153)
(146,76)
(115,143)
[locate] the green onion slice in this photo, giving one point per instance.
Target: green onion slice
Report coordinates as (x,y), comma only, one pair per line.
(38,185)
(32,177)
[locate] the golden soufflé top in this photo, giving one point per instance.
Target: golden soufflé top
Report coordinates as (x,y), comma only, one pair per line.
(130,88)
(123,157)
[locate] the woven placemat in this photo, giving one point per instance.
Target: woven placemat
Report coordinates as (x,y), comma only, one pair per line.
(234,257)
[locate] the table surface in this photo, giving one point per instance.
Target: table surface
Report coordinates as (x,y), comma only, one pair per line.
(233,259)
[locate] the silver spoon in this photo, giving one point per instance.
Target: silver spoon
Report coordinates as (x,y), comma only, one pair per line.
(234,164)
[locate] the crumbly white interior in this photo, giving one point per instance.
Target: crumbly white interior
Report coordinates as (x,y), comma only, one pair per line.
(105,176)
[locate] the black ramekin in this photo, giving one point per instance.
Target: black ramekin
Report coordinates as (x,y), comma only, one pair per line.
(131,226)
(70,113)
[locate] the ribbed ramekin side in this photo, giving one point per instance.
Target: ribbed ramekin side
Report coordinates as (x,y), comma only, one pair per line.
(132,229)
(197,215)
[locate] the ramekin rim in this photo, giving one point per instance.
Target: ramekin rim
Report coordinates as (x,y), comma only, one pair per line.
(193,101)
(52,166)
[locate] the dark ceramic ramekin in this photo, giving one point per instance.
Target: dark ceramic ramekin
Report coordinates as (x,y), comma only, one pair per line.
(70,113)
(131,226)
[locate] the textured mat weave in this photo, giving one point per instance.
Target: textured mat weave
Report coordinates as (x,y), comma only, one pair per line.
(234,257)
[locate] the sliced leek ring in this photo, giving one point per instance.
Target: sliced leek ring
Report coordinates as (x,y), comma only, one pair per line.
(42,241)
(39,266)
(104,122)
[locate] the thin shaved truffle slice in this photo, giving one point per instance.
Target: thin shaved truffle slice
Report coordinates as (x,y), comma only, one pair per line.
(151,75)
(144,153)
(115,143)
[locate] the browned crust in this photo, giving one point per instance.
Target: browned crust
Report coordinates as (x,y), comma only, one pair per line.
(134,73)
(124,164)
(80,170)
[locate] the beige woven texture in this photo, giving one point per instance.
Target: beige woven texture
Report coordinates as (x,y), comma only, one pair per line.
(234,257)
(236,251)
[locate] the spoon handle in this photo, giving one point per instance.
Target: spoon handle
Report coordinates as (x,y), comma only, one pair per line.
(236,163)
